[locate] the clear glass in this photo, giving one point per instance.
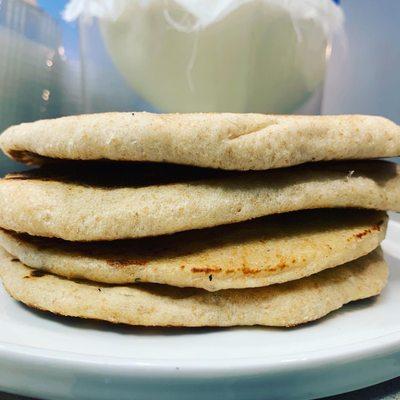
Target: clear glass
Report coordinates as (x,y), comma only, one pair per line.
(256,58)
(37,80)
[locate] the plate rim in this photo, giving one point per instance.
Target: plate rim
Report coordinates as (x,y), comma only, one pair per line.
(386,344)
(167,368)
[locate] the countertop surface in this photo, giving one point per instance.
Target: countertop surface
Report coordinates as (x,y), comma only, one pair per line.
(385,391)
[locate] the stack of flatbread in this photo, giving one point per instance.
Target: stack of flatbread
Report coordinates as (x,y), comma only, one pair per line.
(197,219)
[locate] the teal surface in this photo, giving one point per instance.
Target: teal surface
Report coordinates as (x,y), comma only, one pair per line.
(385,391)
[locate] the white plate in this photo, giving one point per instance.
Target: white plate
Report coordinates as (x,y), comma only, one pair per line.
(61,358)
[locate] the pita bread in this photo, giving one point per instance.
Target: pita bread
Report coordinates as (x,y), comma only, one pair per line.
(83,207)
(286,304)
(227,141)
(256,253)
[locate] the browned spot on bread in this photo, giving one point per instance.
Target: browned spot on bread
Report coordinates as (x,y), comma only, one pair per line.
(249,271)
(376,227)
(14,259)
(16,176)
(37,274)
(182,267)
(362,234)
(27,157)
(281,265)
(124,263)
(206,270)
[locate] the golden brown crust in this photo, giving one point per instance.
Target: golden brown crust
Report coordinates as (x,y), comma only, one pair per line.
(227,141)
(81,210)
(285,304)
(256,253)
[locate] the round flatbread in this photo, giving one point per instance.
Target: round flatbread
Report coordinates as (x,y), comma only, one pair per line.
(256,253)
(286,304)
(227,141)
(87,204)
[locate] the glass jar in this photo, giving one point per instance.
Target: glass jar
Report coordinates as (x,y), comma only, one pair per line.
(265,56)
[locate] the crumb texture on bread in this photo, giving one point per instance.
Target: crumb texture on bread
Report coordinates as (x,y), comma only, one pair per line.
(227,141)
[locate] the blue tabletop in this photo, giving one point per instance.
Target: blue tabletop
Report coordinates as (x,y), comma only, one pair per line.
(389,390)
